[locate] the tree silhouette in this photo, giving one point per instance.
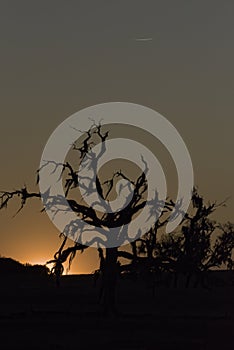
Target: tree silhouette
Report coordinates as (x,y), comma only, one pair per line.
(199,245)
(189,251)
(194,249)
(76,179)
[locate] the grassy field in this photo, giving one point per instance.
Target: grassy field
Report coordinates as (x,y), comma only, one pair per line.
(36,315)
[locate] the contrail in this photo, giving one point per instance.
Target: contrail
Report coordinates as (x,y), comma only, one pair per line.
(143,39)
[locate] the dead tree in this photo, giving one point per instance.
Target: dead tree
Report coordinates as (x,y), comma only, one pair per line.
(74,179)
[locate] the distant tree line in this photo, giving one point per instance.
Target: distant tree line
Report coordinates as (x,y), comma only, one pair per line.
(9,266)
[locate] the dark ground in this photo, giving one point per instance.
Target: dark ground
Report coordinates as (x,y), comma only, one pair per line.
(36,315)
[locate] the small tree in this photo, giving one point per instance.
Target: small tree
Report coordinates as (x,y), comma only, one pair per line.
(200,245)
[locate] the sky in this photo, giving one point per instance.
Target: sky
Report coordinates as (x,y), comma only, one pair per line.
(58,57)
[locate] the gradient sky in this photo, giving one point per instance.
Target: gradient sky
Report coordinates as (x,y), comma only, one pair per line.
(58,57)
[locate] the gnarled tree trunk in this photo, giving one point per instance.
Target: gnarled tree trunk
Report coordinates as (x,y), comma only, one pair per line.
(110,274)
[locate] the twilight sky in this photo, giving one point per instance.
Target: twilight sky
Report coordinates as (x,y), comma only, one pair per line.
(58,57)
